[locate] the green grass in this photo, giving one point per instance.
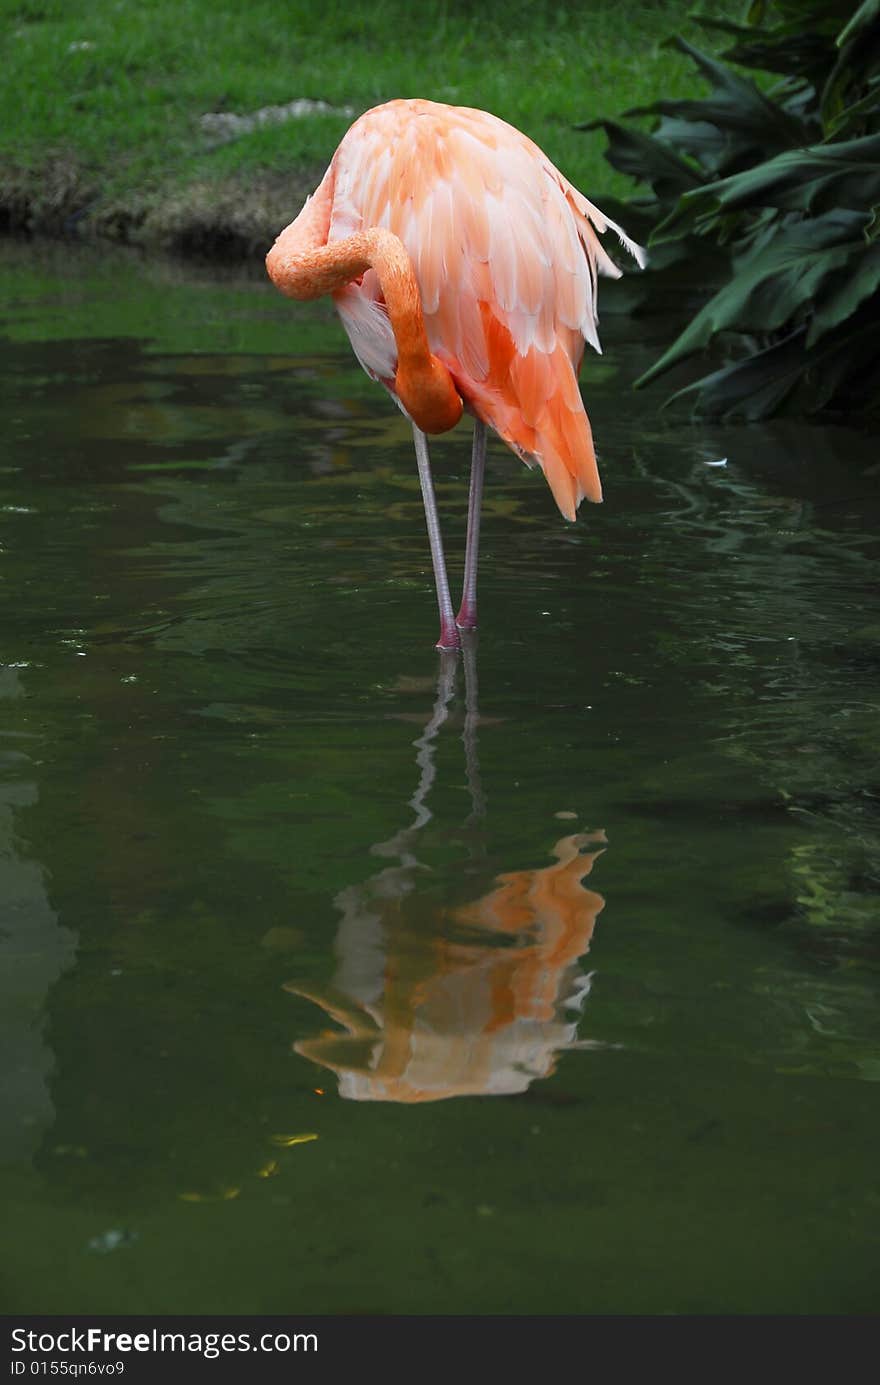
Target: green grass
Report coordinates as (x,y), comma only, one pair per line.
(104,95)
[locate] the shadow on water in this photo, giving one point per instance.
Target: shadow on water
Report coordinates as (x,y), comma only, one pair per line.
(240,800)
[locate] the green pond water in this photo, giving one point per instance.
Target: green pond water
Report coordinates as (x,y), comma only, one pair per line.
(274,874)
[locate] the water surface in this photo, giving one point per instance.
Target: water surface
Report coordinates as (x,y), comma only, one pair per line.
(338,976)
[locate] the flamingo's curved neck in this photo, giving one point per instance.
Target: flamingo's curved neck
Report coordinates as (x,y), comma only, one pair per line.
(303,265)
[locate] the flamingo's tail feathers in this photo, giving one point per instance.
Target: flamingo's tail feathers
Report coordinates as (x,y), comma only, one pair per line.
(533,402)
(568,458)
(550,427)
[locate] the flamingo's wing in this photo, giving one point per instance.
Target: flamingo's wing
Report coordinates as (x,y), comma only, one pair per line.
(507,255)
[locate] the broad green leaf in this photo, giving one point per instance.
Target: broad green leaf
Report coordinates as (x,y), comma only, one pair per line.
(856,63)
(795,48)
(858,26)
(750,389)
(644,157)
(841,175)
(735,106)
(770,286)
(851,116)
(817,14)
(760,385)
(846,174)
(735,102)
(859,279)
(702,140)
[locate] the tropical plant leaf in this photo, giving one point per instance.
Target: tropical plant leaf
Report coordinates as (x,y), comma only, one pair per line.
(865,16)
(762,384)
(771,285)
(750,389)
(735,104)
(789,49)
(700,139)
(821,15)
(845,121)
(856,62)
(846,174)
(789,180)
(847,292)
(842,175)
(643,156)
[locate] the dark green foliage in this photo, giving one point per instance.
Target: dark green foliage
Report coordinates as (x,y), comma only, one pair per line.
(785,181)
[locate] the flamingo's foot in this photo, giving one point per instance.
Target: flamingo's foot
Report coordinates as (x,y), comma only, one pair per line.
(449,637)
(467,617)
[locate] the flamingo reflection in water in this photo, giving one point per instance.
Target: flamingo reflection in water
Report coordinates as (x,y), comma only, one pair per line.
(479,999)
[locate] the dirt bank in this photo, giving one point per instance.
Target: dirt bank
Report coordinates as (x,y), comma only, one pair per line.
(231,219)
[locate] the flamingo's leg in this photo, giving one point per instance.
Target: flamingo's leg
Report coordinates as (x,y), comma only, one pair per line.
(449,636)
(467,615)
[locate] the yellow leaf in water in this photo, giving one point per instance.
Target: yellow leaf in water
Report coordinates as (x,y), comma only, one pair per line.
(287,1141)
(222,1195)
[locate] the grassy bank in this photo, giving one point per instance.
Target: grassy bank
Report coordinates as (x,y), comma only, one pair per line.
(101,103)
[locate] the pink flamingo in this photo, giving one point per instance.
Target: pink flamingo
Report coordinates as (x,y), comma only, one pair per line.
(464,268)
